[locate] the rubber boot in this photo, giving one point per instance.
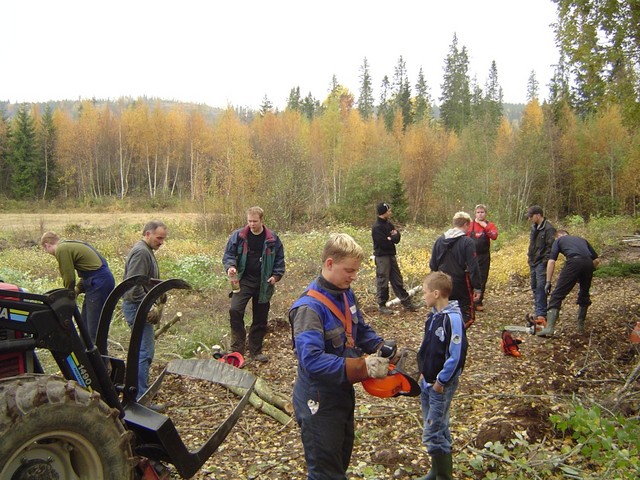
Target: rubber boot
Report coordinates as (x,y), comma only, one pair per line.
(429,476)
(432,473)
(582,316)
(552,316)
(443,466)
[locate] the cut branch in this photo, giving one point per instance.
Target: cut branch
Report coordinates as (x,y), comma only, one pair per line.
(263,406)
(168,325)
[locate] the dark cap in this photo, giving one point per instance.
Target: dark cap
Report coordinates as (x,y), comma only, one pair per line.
(533,210)
(383,208)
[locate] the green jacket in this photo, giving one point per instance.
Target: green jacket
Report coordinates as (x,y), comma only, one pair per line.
(272,264)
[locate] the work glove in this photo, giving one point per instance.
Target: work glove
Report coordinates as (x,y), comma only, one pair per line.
(162,299)
(547,288)
(377,367)
(79,288)
(388,349)
(154,315)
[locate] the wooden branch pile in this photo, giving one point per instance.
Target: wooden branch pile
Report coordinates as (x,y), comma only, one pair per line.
(263,397)
(267,401)
(632,240)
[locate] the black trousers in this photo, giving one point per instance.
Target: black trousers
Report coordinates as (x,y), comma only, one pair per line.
(484,262)
(249,290)
(463,293)
(388,271)
(326,420)
(576,270)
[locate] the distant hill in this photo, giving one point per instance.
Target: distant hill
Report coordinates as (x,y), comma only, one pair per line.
(73,106)
(513,111)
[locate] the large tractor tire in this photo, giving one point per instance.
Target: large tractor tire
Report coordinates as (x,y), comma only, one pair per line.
(53,429)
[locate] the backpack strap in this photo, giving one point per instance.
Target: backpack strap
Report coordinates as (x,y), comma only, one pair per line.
(345,317)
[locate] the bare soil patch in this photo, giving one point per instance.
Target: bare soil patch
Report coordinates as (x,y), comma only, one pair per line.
(499,396)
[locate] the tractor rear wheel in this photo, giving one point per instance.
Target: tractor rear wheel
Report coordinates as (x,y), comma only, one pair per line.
(53,429)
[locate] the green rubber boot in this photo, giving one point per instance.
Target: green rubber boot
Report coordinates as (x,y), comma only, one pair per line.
(582,316)
(443,466)
(552,316)
(429,476)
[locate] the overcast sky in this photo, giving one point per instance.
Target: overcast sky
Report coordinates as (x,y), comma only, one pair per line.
(235,52)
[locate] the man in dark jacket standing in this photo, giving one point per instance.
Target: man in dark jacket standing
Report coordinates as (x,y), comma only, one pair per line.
(454,253)
(385,238)
(542,236)
(256,255)
(579,267)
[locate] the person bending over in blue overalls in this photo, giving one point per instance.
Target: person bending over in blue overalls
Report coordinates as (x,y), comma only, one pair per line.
(96,280)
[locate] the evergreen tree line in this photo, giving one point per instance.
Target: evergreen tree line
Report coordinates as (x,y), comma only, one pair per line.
(577,153)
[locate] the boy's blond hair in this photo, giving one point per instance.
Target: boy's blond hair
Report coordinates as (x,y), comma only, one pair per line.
(439,281)
(460,219)
(256,211)
(341,246)
(51,238)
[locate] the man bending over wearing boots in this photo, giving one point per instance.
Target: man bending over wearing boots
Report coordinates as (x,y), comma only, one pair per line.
(579,267)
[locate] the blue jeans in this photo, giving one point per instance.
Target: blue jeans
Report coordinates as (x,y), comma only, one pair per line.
(147,347)
(538,280)
(436,435)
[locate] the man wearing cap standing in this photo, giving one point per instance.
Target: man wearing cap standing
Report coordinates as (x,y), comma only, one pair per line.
(541,239)
(385,238)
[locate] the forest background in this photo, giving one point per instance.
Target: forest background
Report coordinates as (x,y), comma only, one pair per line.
(575,153)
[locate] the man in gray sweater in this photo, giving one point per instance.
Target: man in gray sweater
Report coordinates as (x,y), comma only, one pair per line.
(142,261)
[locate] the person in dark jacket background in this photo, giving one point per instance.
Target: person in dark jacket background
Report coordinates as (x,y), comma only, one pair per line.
(385,238)
(579,267)
(256,255)
(455,254)
(482,231)
(541,239)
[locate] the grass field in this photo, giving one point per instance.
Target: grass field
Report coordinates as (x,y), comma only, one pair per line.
(195,257)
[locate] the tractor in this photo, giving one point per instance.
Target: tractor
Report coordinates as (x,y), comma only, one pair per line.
(84,422)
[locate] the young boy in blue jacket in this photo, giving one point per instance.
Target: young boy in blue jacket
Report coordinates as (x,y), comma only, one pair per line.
(441,357)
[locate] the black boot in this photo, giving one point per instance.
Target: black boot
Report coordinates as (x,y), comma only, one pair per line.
(582,316)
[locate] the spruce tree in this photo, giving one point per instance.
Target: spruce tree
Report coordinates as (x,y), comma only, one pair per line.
(47,140)
(402,93)
(27,171)
(422,106)
(533,87)
(294,102)
(455,105)
(365,100)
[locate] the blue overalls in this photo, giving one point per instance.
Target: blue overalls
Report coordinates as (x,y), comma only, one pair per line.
(98,284)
